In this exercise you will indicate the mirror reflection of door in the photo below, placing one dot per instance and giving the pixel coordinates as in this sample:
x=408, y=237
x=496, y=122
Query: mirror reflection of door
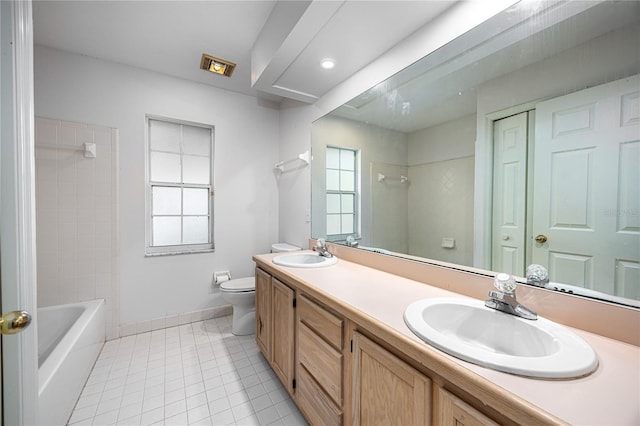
x=588, y=146
x=509, y=194
x=586, y=189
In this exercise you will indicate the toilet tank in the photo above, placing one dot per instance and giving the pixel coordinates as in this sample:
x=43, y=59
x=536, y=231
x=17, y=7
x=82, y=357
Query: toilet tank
x=283, y=247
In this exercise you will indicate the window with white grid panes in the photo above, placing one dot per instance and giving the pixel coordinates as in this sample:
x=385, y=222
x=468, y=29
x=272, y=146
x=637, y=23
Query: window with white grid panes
x=342, y=195
x=180, y=187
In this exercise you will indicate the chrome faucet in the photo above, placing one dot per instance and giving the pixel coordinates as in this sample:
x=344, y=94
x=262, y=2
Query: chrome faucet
x=504, y=300
x=321, y=248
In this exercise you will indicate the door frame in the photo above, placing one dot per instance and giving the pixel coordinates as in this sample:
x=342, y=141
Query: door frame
x=483, y=182
x=19, y=351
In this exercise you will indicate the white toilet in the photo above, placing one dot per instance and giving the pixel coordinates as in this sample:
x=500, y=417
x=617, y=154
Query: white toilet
x=241, y=294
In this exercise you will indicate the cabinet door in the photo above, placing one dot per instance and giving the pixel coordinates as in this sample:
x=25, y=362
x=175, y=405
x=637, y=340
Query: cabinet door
x=386, y=390
x=283, y=333
x=263, y=312
x=452, y=411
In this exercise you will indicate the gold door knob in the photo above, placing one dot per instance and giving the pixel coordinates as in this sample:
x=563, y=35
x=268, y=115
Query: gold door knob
x=541, y=239
x=14, y=322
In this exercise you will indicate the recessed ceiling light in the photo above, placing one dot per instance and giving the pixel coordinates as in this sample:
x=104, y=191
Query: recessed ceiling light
x=327, y=63
x=217, y=65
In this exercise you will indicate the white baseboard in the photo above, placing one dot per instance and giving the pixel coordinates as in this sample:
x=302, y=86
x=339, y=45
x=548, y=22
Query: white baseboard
x=132, y=328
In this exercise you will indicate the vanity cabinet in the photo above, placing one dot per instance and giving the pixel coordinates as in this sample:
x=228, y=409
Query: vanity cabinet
x=338, y=374
x=387, y=390
x=319, y=365
x=275, y=322
x=263, y=312
x=452, y=411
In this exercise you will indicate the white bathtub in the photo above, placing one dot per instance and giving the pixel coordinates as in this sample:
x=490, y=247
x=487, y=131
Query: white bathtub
x=70, y=338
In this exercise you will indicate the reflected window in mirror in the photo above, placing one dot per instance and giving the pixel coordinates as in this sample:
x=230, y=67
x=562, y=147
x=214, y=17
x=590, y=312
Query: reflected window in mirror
x=342, y=193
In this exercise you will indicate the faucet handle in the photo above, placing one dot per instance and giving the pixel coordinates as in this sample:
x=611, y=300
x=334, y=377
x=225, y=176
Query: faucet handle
x=537, y=275
x=321, y=242
x=505, y=283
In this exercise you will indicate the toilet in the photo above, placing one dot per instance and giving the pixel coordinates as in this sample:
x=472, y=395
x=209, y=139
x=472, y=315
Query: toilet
x=241, y=294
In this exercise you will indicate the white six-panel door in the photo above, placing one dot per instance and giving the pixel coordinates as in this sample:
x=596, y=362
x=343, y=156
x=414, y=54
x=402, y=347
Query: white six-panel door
x=587, y=187
x=509, y=194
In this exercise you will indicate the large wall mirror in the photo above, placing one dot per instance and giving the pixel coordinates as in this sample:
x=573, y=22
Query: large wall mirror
x=516, y=143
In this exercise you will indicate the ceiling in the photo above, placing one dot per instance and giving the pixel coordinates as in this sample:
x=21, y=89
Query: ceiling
x=444, y=86
x=277, y=45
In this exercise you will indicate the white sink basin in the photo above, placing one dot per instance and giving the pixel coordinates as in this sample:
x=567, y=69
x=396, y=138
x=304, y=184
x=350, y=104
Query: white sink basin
x=304, y=260
x=468, y=330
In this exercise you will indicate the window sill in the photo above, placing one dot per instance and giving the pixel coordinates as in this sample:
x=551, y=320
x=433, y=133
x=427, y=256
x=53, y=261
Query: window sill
x=178, y=253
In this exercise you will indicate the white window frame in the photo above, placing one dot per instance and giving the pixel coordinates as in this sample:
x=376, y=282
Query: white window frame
x=355, y=193
x=152, y=250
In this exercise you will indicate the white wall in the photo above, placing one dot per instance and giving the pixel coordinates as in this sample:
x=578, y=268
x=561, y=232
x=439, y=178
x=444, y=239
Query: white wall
x=446, y=141
x=78, y=88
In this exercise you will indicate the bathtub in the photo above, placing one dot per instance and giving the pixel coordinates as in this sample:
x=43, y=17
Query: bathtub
x=70, y=338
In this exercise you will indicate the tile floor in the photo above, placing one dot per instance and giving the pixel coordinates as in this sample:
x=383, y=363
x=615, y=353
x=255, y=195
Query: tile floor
x=195, y=374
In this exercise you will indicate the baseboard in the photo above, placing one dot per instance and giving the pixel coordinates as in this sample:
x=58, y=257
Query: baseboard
x=132, y=328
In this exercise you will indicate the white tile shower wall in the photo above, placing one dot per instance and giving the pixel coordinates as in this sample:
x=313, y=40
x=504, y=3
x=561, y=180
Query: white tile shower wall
x=441, y=206
x=389, y=212
x=76, y=210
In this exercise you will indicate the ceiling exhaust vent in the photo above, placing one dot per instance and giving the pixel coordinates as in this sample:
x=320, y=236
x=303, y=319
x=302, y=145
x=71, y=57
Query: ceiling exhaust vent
x=216, y=65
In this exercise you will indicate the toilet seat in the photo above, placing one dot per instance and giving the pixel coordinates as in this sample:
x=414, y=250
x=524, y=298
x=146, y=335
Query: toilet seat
x=239, y=285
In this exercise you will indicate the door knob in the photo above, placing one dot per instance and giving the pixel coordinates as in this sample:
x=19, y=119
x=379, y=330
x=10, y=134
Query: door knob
x=14, y=322
x=541, y=239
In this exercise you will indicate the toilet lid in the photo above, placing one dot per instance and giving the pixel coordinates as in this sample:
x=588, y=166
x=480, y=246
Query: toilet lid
x=239, y=284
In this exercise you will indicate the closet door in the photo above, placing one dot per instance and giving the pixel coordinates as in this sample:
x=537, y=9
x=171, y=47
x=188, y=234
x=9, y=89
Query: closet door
x=509, y=194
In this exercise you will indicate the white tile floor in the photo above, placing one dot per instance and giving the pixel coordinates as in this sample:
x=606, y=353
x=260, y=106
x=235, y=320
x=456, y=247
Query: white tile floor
x=196, y=374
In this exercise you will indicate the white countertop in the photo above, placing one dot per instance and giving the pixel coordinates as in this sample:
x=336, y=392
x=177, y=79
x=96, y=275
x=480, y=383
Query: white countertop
x=610, y=396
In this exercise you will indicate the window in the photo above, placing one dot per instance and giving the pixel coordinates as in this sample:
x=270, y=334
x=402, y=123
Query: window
x=342, y=193
x=179, y=188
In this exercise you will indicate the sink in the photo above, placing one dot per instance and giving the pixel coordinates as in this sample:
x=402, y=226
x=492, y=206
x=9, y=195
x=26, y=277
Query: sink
x=468, y=330
x=304, y=260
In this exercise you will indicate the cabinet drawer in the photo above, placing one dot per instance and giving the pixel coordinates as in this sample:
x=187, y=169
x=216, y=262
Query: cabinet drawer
x=321, y=321
x=322, y=361
x=454, y=411
x=314, y=403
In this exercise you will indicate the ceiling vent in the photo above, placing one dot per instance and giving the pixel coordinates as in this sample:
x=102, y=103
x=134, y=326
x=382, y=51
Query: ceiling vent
x=216, y=65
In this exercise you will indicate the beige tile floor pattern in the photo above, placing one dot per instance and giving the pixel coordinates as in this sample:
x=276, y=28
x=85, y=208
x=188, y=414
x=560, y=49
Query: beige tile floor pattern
x=194, y=374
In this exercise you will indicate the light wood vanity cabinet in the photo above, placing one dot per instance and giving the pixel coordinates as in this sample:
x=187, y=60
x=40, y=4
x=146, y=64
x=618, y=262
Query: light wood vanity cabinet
x=387, y=390
x=452, y=411
x=283, y=317
x=263, y=312
x=337, y=375
x=275, y=322
x=319, y=365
